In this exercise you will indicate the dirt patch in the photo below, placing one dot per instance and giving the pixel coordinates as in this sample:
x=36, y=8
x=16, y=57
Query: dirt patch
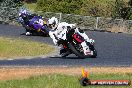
x=9, y=73
x=117, y=29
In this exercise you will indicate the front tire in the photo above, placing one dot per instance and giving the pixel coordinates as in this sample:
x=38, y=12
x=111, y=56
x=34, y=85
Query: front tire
x=77, y=53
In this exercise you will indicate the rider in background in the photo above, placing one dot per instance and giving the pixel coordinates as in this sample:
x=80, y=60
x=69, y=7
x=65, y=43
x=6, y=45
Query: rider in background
x=56, y=30
x=34, y=19
x=23, y=14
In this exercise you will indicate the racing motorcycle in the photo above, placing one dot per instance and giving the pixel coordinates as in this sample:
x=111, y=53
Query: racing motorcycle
x=30, y=23
x=72, y=44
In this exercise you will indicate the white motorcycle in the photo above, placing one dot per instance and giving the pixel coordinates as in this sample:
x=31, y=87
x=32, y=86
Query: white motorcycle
x=72, y=43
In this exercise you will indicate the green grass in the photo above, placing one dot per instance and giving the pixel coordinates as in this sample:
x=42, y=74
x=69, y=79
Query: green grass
x=10, y=47
x=61, y=81
x=31, y=6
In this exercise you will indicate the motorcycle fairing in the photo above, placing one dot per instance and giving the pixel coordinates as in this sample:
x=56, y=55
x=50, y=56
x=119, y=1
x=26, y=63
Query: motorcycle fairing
x=35, y=25
x=78, y=38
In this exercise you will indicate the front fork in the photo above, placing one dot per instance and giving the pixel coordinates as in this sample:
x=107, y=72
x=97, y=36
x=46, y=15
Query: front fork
x=80, y=40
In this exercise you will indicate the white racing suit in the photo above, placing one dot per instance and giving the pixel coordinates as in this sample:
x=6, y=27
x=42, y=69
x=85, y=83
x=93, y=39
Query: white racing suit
x=57, y=34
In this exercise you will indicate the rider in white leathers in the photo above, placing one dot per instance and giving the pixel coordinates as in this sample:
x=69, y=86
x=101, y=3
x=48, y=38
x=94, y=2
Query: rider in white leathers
x=58, y=28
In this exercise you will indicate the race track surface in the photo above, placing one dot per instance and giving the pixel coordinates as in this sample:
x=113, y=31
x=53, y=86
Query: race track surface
x=113, y=50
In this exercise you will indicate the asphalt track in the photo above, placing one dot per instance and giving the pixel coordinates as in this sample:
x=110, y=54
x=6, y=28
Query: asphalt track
x=113, y=50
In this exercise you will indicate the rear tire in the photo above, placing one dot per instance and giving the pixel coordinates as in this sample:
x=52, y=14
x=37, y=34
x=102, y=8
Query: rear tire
x=79, y=54
x=94, y=54
x=92, y=49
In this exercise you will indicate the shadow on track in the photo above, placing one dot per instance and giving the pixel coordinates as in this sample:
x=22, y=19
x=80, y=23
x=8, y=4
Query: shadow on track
x=70, y=57
x=35, y=34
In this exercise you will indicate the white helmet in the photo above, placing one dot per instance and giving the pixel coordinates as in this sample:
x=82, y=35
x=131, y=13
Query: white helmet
x=53, y=20
x=22, y=12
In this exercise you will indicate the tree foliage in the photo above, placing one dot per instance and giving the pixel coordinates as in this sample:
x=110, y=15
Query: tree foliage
x=9, y=9
x=130, y=2
x=64, y=6
x=105, y=8
x=122, y=10
x=97, y=8
x=29, y=1
x=82, y=7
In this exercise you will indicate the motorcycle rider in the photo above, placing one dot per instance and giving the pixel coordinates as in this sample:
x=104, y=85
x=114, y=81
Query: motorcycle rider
x=25, y=17
x=56, y=30
x=33, y=19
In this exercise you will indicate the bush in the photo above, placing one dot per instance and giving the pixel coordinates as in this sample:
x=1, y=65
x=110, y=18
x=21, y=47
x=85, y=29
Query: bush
x=30, y=1
x=103, y=8
x=97, y=8
x=9, y=9
x=122, y=9
x=64, y=6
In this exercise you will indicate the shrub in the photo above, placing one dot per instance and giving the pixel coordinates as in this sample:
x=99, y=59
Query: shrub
x=9, y=9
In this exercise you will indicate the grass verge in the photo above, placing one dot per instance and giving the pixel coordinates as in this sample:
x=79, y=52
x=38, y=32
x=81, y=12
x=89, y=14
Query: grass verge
x=31, y=6
x=11, y=48
x=61, y=81
x=59, y=77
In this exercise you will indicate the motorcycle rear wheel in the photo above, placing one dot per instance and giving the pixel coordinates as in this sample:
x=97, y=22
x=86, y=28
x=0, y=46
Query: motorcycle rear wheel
x=81, y=55
x=94, y=54
x=94, y=51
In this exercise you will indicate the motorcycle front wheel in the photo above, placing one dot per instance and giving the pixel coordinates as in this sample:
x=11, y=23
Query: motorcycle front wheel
x=75, y=51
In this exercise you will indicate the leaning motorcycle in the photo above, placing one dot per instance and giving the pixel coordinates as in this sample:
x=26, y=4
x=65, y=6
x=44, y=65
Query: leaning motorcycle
x=29, y=22
x=72, y=43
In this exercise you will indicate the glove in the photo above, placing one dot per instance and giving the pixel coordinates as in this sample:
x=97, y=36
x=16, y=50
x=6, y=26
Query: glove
x=91, y=41
x=60, y=42
x=55, y=41
x=36, y=22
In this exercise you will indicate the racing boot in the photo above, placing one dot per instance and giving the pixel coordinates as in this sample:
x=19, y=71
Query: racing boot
x=28, y=33
x=91, y=41
x=64, y=51
x=86, y=49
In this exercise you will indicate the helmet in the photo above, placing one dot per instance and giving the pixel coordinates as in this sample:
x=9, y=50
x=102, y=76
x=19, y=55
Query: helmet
x=22, y=12
x=52, y=23
x=53, y=20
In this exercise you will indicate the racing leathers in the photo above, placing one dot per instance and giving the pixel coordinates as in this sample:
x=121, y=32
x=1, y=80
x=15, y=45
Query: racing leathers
x=39, y=24
x=57, y=33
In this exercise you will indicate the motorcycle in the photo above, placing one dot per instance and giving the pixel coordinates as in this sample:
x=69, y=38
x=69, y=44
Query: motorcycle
x=72, y=43
x=30, y=23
